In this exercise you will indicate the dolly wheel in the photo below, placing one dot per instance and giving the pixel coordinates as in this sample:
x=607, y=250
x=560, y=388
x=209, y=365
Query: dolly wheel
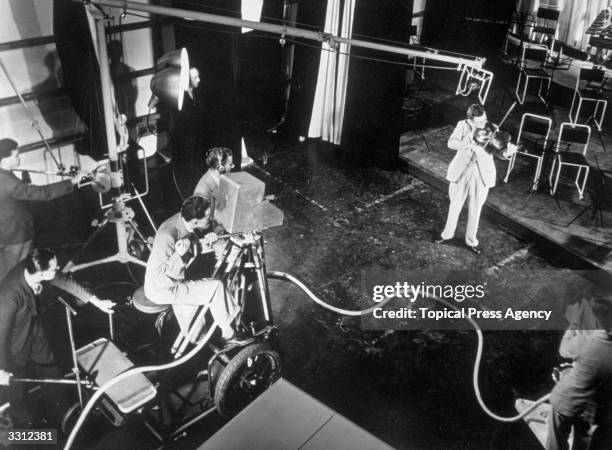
x=247, y=375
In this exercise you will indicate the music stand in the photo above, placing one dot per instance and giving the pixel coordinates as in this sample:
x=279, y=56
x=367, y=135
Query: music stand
x=598, y=196
x=547, y=153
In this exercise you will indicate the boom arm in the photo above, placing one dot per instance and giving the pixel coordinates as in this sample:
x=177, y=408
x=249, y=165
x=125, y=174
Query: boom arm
x=472, y=76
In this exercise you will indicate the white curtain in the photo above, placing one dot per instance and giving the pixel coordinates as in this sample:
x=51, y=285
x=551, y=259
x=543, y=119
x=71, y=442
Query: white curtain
x=576, y=17
x=330, y=94
x=250, y=10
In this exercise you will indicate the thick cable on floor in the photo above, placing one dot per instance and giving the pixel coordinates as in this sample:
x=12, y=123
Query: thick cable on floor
x=345, y=312
x=287, y=277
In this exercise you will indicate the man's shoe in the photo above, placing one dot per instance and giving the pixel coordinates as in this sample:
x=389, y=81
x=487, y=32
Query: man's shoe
x=475, y=249
x=237, y=340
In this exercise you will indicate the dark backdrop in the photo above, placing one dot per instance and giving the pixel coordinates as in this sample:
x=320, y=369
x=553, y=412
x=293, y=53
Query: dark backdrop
x=373, y=115
x=470, y=26
x=81, y=74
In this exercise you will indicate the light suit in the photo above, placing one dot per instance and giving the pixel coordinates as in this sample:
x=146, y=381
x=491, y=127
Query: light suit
x=165, y=281
x=471, y=173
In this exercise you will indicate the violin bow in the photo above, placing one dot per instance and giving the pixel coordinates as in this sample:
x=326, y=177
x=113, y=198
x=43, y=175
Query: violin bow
x=497, y=127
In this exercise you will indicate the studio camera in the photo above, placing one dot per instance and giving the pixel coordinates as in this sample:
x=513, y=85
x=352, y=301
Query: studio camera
x=240, y=205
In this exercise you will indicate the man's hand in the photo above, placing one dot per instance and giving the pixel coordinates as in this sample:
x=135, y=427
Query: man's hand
x=475, y=150
x=106, y=306
x=182, y=246
x=76, y=179
x=511, y=149
x=209, y=239
x=5, y=377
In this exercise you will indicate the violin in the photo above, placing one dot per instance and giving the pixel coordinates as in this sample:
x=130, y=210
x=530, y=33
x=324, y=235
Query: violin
x=495, y=141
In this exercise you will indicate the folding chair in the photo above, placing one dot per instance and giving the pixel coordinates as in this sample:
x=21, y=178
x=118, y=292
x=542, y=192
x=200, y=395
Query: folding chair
x=558, y=61
x=589, y=88
x=532, y=139
x=512, y=52
x=570, y=150
x=540, y=54
x=546, y=22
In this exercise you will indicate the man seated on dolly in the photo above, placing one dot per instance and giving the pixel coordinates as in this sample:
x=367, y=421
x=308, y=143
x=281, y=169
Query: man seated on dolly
x=24, y=346
x=165, y=281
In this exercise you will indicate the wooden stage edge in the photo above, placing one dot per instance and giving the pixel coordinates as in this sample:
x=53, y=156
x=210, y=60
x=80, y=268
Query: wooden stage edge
x=533, y=219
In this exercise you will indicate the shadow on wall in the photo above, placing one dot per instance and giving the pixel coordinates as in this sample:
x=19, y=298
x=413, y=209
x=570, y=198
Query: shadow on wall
x=43, y=73
x=126, y=91
x=56, y=110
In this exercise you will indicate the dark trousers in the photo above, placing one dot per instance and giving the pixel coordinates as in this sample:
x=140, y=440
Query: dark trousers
x=188, y=160
x=559, y=428
x=51, y=401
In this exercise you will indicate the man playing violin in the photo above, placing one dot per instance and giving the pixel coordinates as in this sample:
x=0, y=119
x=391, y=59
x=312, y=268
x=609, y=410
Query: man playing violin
x=472, y=172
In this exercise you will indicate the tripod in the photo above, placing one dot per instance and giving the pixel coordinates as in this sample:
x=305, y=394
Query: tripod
x=121, y=216
x=242, y=263
x=118, y=213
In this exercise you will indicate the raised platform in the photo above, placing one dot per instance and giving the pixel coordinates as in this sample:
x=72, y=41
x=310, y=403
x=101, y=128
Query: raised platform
x=532, y=216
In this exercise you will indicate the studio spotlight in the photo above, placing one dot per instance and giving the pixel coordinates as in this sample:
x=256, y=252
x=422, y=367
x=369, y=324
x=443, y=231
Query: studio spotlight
x=171, y=79
x=175, y=58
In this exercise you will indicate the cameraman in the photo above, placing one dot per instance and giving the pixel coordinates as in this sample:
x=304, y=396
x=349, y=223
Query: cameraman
x=165, y=281
x=583, y=395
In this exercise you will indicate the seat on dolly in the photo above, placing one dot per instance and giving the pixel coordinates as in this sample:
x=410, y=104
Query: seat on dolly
x=103, y=361
x=144, y=305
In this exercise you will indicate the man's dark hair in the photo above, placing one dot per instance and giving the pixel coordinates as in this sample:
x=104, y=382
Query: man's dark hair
x=39, y=260
x=217, y=156
x=6, y=147
x=194, y=208
x=475, y=110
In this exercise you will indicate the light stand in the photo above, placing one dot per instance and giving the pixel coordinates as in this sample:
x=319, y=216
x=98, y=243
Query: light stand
x=547, y=153
x=598, y=197
x=119, y=213
x=77, y=374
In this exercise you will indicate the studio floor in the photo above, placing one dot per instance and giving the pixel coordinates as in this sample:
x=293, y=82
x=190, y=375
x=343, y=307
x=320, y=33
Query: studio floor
x=348, y=219
x=345, y=220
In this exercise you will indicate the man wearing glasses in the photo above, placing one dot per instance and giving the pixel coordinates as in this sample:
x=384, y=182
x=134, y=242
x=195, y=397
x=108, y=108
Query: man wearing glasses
x=24, y=346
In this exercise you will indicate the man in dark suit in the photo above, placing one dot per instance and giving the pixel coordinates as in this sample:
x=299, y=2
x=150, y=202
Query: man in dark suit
x=188, y=135
x=16, y=222
x=24, y=347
